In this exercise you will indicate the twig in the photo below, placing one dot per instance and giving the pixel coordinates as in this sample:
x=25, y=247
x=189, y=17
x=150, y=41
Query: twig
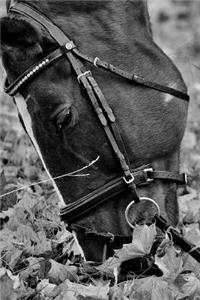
x=71, y=174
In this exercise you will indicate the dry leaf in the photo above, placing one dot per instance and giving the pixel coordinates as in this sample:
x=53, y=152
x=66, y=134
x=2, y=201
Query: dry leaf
x=122, y=291
x=171, y=263
x=143, y=238
x=45, y=288
x=190, y=264
x=192, y=233
x=59, y=273
x=189, y=286
x=14, y=278
x=43, y=245
x=7, y=213
x=151, y=288
x=6, y=288
x=33, y=269
x=116, y=292
x=8, y=284
x=90, y=291
x=63, y=235
x=109, y=265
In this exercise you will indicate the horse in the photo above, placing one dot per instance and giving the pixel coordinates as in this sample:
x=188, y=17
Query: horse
x=150, y=120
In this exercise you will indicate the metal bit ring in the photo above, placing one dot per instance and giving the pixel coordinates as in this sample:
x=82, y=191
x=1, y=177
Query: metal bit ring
x=133, y=202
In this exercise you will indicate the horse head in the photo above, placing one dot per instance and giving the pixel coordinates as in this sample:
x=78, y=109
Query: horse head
x=67, y=130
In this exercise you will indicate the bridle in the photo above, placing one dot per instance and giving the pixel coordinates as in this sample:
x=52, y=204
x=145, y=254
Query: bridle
x=129, y=178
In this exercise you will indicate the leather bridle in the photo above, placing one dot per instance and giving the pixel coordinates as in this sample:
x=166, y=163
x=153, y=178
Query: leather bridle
x=129, y=178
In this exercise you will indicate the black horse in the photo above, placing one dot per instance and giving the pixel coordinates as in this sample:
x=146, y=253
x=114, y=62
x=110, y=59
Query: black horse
x=151, y=122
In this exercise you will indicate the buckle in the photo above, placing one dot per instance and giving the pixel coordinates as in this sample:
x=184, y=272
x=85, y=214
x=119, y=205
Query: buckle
x=83, y=74
x=130, y=180
x=148, y=180
x=111, y=236
x=95, y=61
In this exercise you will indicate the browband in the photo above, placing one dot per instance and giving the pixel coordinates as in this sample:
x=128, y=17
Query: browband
x=32, y=71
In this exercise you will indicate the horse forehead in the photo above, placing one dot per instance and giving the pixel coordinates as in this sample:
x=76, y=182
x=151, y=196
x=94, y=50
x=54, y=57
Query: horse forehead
x=86, y=6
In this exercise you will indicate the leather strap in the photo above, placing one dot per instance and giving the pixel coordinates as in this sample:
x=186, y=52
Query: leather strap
x=117, y=241
x=164, y=175
x=98, y=102
x=131, y=76
x=143, y=175
x=178, y=238
x=28, y=11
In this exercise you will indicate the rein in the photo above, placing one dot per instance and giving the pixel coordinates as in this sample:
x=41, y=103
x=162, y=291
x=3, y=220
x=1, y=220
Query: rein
x=130, y=178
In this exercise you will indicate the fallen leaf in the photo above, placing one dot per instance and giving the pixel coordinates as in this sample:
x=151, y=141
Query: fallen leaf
x=32, y=269
x=15, y=257
x=170, y=263
x=192, y=233
x=143, y=238
x=2, y=271
x=59, y=273
x=8, y=284
x=88, y=291
x=109, y=265
x=184, y=201
x=189, y=286
x=45, y=288
x=71, y=246
x=14, y=278
x=7, y=213
x=151, y=288
x=116, y=292
x=122, y=291
x=6, y=287
x=43, y=245
x=5, y=188
x=190, y=264
x=63, y=235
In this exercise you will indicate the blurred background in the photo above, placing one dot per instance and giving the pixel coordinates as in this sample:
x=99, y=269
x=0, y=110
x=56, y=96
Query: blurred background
x=176, y=29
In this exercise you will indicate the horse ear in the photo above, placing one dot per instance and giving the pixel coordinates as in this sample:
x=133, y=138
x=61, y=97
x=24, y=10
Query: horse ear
x=19, y=33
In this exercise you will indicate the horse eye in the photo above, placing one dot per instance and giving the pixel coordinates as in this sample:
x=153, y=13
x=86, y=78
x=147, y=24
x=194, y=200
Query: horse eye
x=64, y=118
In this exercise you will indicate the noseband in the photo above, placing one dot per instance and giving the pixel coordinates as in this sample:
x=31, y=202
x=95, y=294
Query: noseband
x=129, y=178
